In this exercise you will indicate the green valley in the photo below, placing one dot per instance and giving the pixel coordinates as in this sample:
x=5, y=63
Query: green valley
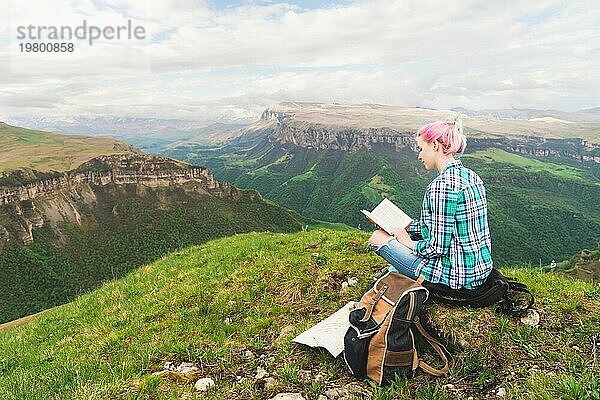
x=64, y=231
x=329, y=161
x=122, y=231
x=538, y=210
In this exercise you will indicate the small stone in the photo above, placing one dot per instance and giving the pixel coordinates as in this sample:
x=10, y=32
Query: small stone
x=344, y=286
x=470, y=398
x=203, y=384
x=335, y=393
x=321, y=397
x=350, y=391
x=261, y=373
x=228, y=321
x=271, y=359
x=187, y=369
x=576, y=348
x=501, y=392
x=352, y=281
x=448, y=386
x=288, y=396
x=249, y=354
x=532, y=318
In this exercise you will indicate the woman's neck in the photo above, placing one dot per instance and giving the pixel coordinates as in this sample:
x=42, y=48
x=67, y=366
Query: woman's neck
x=444, y=160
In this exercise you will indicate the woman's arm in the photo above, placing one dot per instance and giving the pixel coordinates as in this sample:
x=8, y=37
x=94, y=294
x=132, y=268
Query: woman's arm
x=408, y=235
x=414, y=230
x=441, y=202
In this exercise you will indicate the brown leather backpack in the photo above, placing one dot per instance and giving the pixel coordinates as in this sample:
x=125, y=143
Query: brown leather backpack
x=380, y=342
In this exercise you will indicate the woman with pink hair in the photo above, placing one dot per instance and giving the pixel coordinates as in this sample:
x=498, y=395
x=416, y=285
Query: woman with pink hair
x=450, y=243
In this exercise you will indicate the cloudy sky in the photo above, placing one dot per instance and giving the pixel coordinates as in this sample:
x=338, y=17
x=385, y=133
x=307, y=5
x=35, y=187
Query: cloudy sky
x=232, y=59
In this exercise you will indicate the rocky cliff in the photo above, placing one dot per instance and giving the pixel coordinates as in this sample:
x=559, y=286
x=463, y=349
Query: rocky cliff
x=29, y=199
x=342, y=130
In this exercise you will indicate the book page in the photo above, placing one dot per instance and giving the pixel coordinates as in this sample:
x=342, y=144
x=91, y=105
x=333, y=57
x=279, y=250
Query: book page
x=377, y=222
x=388, y=215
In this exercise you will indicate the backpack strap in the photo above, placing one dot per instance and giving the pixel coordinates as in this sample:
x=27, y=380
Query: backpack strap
x=371, y=303
x=512, y=307
x=438, y=347
x=496, y=289
x=481, y=298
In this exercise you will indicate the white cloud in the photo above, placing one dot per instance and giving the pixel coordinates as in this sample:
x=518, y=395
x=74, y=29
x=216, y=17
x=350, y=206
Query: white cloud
x=198, y=62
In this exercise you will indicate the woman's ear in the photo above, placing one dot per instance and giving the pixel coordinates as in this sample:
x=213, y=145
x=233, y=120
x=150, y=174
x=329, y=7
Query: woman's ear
x=435, y=145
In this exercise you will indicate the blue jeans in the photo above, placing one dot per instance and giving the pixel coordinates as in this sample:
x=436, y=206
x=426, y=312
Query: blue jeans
x=400, y=257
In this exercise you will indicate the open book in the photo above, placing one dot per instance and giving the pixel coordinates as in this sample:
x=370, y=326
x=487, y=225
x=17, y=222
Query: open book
x=387, y=216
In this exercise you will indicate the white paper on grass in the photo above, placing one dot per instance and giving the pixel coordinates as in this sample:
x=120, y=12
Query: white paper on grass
x=330, y=332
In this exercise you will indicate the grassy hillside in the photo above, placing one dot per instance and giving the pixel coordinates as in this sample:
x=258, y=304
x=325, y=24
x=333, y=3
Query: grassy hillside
x=121, y=231
x=44, y=151
x=538, y=210
x=531, y=165
x=584, y=266
x=223, y=305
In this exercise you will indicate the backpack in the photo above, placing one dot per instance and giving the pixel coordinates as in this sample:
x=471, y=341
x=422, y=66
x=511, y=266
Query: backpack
x=380, y=341
x=497, y=288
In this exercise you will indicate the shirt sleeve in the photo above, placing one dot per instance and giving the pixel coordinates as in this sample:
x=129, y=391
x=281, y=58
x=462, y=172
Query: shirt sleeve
x=442, y=203
x=414, y=230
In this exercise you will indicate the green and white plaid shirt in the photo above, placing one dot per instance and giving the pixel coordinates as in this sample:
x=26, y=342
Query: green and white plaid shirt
x=453, y=234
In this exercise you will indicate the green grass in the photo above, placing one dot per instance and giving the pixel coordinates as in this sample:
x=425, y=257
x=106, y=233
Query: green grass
x=376, y=189
x=120, y=232
x=213, y=303
x=529, y=164
x=45, y=151
x=302, y=177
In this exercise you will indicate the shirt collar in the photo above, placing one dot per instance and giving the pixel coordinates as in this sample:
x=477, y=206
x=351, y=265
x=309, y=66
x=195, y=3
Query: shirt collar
x=453, y=164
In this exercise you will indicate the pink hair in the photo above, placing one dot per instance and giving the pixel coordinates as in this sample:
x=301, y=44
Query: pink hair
x=448, y=133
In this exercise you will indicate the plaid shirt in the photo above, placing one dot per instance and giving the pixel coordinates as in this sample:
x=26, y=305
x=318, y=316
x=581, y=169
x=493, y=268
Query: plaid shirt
x=453, y=230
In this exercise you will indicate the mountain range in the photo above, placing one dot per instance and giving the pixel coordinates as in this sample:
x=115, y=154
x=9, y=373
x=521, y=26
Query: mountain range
x=588, y=115
x=120, y=224
x=68, y=226
x=328, y=161
x=147, y=134
x=63, y=193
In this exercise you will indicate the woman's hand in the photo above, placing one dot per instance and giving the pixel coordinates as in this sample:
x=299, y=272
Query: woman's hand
x=403, y=237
